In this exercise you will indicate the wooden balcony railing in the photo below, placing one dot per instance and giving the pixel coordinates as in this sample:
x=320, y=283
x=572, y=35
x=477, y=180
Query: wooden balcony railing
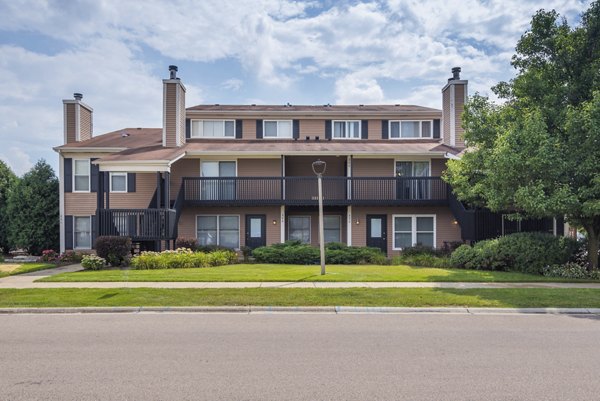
x=139, y=224
x=257, y=191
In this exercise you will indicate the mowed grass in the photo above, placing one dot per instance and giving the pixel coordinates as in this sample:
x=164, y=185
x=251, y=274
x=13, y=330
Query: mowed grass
x=274, y=272
x=11, y=269
x=399, y=297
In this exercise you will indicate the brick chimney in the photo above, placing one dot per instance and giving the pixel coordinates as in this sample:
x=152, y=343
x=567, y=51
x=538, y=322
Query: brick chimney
x=78, y=123
x=454, y=96
x=173, y=110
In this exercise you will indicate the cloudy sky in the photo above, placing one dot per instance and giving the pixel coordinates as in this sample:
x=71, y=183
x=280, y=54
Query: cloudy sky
x=255, y=51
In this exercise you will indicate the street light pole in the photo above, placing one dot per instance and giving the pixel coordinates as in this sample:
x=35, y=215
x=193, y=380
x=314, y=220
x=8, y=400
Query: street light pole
x=319, y=168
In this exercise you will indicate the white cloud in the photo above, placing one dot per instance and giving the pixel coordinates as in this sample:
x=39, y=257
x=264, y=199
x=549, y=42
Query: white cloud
x=17, y=160
x=233, y=84
x=354, y=90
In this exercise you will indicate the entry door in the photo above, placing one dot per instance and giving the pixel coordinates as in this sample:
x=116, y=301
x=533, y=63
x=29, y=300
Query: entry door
x=256, y=230
x=377, y=231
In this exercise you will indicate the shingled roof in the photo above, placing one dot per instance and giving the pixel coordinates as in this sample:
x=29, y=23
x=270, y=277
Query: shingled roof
x=356, y=108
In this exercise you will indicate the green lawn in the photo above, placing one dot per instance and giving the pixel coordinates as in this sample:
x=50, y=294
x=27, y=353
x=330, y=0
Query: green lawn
x=9, y=269
x=407, y=297
x=272, y=272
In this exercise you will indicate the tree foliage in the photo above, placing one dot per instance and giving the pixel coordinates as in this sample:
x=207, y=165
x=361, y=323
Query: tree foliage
x=7, y=182
x=34, y=211
x=538, y=153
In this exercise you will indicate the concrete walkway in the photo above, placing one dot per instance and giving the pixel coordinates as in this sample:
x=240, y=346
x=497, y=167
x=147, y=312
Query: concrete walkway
x=28, y=281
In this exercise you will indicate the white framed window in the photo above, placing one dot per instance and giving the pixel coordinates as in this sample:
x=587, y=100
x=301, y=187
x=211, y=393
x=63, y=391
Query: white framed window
x=213, y=129
x=299, y=228
x=346, y=129
x=332, y=228
x=410, y=129
x=82, y=232
x=81, y=175
x=277, y=129
x=222, y=230
x=118, y=182
x=410, y=230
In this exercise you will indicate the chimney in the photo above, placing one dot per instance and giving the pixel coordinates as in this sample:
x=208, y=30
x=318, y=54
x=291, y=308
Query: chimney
x=173, y=110
x=78, y=122
x=454, y=96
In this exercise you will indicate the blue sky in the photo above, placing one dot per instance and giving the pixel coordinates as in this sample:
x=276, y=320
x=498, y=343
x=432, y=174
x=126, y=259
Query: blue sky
x=260, y=51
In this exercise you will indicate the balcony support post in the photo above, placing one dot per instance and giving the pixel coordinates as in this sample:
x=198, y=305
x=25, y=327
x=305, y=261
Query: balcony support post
x=282, y=224
x=158, y=189
x=107, y=186
x=349, y=225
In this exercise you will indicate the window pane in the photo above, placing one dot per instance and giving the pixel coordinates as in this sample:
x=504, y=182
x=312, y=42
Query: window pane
x=424, y=223
x=82, y=224
x=210, y=169
x=207, y=237
x=229, y=238
x=82, y=167
x=229, y=129
x=410, y=129
x=402, y=240
x=83, y=240
x=83, y=232
x=338, y=129
x=375, y=228
x=299, y=222
x=354, y=130
x=119, y=183
x=425, y=239
x=299, y=228
x=403, y=224
x=332, y=235
x=255, y=227
x=395, y=130
x=208, y=128
x=226, y=169
x=228, y=223
x=207, y=222
x=426, y=129
x=82, y=183
x=196, y=128
x=270, y=129
x=331, y=222
x=285, y=129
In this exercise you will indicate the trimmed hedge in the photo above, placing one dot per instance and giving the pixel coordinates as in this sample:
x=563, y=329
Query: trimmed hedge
x=182, y=258
x=522, y=252
x=114, y=249
x=93, y=262
x=295, y=252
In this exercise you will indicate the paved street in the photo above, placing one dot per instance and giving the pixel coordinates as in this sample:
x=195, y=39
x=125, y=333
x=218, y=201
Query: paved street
x=170, y=356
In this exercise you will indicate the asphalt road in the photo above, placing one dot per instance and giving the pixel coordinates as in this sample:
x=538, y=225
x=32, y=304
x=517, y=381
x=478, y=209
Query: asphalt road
x=170, y=356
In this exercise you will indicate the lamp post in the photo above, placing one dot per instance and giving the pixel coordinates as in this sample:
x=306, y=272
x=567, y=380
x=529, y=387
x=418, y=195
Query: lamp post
x=318, y=168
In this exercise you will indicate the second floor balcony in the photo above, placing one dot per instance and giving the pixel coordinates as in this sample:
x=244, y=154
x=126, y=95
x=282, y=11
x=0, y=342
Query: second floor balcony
x=256, y=191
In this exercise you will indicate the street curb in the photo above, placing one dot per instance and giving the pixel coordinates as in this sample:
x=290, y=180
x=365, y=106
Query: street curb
x=302, y=309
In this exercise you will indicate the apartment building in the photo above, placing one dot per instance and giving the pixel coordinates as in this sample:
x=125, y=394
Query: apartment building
x=241, y=175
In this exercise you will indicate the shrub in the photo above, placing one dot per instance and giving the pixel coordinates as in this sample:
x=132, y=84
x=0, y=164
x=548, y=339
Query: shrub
x=189, y=243
x=116, y=250
x=182, y=258
x=93, y=262
x=523, y=252
x=69, y=257
x=1, y=258
x=49, y=255
x=354, y=255
x=568, y=270
x=210, y=248
x=422, y=261
x=295, y=252
x=450, y=246
x=420, y=250
x=246, y=252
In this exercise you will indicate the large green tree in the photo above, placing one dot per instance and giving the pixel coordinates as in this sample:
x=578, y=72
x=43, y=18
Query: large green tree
x=537, y=154
x=33, y=210
x=7, y=181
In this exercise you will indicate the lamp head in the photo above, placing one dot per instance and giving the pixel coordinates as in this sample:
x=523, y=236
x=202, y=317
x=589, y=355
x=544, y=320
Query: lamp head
x=319, y=167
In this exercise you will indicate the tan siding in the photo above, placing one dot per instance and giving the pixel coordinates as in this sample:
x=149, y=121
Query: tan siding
x=80, y=204
x=259, y=167
x=375, y=129
x=314, y=224
x=70, y=122
x=312, y=128
x=446, y=230
x=182, y=168
x=171, y=114
x=459, y=96
x=372, y=167
x=248, y=129
x=446, y=116
x=85, y=123
x=145, y=185
x=181, y=115
x=438, y=166
x=302, y=165
x=187, y=222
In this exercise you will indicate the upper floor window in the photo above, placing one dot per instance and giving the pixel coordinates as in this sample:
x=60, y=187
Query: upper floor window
x=118, y=182
x=277, y=129
x=81, y=175
x=346, y=130
x=213, y=129
x=411, y=129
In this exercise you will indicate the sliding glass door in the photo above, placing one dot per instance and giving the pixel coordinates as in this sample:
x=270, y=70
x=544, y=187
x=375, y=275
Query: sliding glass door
x=411, y=185
x=216, y=185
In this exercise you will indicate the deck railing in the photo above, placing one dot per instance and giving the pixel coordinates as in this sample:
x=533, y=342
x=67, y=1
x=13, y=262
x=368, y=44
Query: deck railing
x=139, y=224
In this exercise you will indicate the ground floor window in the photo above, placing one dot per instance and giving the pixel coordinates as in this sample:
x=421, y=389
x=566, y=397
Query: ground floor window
x=332, y=228
x=218, y=230
x=410, y=230
x=82, y=229
x=299, y=228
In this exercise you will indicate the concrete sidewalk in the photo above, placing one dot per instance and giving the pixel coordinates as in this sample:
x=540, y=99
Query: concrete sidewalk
x=28, y=281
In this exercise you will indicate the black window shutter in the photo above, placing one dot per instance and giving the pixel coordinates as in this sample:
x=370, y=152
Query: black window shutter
x=327, y=129
x=238, y=129
x=385, y=125
x=436, y=128
x=131, y=182
x=259, y=127
x=364, y=129
x=296, y=129
x=95, y=170
x=68, y=232
x=188, y=128
x=68, y=175
x=94, y=230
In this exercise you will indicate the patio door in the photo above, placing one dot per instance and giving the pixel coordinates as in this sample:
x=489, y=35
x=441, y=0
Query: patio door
x=216, y=185
x=377, y=231
x=409, y=185
x=256, y=233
